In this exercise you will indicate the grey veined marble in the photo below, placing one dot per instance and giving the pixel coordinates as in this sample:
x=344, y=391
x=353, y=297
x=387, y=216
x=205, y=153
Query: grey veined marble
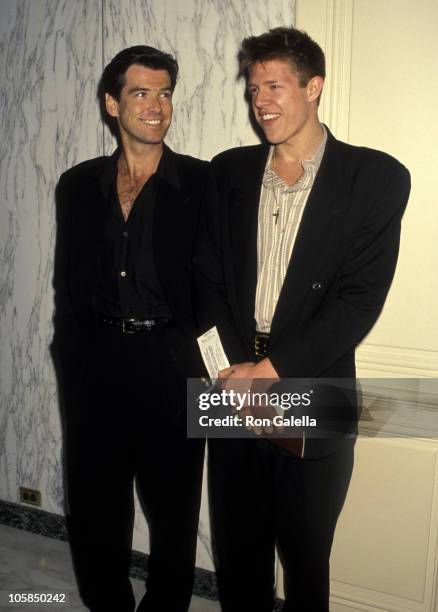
x=51, y=56
x=210, y=112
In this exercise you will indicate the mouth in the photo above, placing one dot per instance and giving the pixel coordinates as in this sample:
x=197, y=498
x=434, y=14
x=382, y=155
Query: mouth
x=152, y=121
x=269, y=117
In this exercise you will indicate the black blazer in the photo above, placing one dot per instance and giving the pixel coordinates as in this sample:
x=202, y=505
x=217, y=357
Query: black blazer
x=178, y=239
x=342, y=264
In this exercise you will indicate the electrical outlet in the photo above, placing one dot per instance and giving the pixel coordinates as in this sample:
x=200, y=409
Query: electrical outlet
x=30, y=496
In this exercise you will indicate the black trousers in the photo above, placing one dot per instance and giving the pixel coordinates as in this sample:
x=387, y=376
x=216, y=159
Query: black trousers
x=262, y=497
x=127, y=421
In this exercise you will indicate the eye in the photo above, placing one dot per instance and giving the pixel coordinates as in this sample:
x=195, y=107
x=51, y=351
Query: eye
x=165, y=94
x=275, y=86
x=252, y=90
x=140, y=94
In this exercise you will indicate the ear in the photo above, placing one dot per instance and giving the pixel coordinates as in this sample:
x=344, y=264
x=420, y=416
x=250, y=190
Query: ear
x=111, y=105
x=314, y=88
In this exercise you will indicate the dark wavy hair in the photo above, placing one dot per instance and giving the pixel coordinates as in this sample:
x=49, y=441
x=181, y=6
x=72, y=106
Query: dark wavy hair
x=113, y=76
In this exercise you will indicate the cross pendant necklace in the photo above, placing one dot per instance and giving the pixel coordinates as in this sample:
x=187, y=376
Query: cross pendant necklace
x=276, y=214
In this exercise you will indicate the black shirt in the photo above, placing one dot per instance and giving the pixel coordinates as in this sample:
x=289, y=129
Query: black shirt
x=127, y=282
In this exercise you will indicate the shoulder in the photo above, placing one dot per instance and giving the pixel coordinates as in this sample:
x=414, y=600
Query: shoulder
x=372, y=164
x=191, y=171
x=369, y=179
x=80, y=184
x=240, y=161
x=188, y=163
x=89, y=169
x=239, y=154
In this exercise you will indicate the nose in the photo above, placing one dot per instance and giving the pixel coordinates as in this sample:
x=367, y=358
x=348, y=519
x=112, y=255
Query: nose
x=154, y=104
x=260, y=98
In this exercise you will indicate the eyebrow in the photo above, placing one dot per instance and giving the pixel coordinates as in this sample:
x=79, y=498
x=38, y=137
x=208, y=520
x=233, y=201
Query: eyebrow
x=137, y=89
x=270, y=82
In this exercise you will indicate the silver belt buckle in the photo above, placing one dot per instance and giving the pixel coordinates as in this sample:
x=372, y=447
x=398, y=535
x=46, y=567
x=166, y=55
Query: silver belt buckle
x=127, y=331
x=257, y=345
x=260, y=345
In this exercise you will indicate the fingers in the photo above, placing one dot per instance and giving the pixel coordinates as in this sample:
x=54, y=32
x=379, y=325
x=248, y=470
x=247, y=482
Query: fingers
x=238, y=370
x=226, y=372
x=265, y=423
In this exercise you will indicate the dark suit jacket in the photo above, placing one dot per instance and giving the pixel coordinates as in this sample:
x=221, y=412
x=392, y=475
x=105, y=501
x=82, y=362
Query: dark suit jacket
x=178, y=239
x=342, y=264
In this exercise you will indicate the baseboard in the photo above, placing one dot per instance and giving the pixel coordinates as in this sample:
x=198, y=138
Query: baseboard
x=373, y=361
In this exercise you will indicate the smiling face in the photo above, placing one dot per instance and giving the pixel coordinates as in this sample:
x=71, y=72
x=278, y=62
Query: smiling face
x=283, y=109
x=144, y=110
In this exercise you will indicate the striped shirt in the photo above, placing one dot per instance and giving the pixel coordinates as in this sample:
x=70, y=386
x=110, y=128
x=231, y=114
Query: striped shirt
x=280, y=212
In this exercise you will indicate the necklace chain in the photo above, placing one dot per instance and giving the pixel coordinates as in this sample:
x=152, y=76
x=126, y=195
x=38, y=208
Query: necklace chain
x=277, y=205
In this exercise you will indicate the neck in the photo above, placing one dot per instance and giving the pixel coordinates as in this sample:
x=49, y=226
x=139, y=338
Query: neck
x=302, y=145
x=140, y=160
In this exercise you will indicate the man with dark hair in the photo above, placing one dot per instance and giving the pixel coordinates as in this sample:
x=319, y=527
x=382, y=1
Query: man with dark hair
x=310, y=236
x=125, y=341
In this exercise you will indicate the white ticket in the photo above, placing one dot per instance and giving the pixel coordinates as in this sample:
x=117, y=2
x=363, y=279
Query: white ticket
x=213, y=352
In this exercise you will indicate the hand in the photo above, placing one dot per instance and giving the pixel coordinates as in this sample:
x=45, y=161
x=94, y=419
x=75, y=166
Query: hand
x=250, y=370
x=238, y=370
x=266, y=413
x=251, y=377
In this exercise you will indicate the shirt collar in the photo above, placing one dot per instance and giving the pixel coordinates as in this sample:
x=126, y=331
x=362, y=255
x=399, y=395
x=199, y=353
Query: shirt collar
x=271, y=180
x=166, y=170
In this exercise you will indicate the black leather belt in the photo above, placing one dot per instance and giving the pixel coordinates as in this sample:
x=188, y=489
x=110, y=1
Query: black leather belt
x=261, y=344
x=133, y=326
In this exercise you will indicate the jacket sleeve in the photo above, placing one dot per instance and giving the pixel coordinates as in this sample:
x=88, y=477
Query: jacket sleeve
x=356, y=297
x=66, y=345
x=211, y=301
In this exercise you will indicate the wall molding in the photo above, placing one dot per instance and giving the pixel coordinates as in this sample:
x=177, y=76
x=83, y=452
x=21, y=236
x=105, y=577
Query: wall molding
x=330, y=23
x=396, y=361
x=335, y=104
x=346, y=597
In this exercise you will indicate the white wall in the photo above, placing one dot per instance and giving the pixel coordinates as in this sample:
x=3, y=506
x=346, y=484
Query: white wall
x=382, y=92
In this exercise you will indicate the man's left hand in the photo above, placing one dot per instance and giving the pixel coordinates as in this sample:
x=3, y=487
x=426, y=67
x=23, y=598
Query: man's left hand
x=257, y=377
x=250, y=370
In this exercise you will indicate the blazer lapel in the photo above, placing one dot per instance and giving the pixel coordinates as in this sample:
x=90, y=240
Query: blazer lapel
x=171, y=224
x=168, y=218
x=242, y=223
x=320, y=227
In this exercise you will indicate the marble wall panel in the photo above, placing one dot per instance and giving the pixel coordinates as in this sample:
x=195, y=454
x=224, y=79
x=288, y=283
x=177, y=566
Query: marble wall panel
x=210, y=113
x=50, y=58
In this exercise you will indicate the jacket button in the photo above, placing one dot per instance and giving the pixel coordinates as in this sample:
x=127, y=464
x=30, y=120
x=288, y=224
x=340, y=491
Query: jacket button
x=317, y=285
